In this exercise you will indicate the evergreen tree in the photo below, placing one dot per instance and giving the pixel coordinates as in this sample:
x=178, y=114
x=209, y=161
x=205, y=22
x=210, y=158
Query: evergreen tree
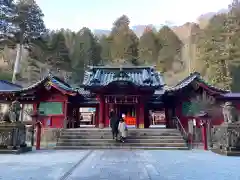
x=7, y=28
x=124, y=42
x=122, y=22
x=88, y=45
x=148, y=47
x=96, y=51
x=30, y=70
x=170, y=48
x=69, y=39
x=191, y=46
x=105, y=44
x=232, y=25
x=61, y=59
x=31, y=26
x=213, y=52
x=86, y=53
x=29, y=20
x=232, y=28
x=7, y=12
x=77, y=59
x=52, y=51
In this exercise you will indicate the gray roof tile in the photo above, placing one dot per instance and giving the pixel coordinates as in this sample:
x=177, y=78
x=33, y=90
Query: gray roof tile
x=140, y=76
x=8, y=86
x=231, y=95
x=188, y=80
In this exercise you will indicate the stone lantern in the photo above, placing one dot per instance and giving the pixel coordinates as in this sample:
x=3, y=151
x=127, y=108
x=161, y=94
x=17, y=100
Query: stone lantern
x=227, y=135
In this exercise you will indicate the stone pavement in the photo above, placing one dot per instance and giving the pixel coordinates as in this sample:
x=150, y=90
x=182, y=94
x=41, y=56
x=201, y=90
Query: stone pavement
x=119, y=165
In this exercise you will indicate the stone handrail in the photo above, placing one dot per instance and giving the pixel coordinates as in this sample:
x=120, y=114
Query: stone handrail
x=180, y=127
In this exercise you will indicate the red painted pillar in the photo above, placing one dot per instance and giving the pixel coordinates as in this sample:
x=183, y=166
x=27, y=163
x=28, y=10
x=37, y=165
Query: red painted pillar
x=141, y=114
x=106, y=115
x=38, y=135
x=204, y=136
x=97, y=116
x=102, y=112
x=66, y=115
x=35, y=104
x=137, y=115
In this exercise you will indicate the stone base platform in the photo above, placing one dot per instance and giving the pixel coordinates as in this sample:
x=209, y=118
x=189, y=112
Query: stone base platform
x=16, y=151
x=225, y=152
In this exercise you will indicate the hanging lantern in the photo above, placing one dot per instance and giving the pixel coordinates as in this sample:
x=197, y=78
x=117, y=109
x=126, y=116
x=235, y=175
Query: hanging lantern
x=195, y=85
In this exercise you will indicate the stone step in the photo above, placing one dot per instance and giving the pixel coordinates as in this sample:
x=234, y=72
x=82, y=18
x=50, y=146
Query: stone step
x=93, y=138
x=110, y=144
x=17, y=151
x=120, y=147
x=129, y=133
x=130, y=128
x=8, y=151
x=128, y=140
x=149, y=130
x=97, y=136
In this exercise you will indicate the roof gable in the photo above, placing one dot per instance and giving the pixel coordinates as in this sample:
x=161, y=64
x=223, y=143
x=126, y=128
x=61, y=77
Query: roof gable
x=195, y=77
x=138, y=75
x=48, y=80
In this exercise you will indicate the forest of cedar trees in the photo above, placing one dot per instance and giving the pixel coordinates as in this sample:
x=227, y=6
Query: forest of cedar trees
x=214, y=50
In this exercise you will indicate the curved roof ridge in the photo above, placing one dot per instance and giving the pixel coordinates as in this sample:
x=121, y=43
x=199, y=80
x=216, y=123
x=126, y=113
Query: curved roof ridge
x=121, y=66
x=189, y=79
x=54, y=79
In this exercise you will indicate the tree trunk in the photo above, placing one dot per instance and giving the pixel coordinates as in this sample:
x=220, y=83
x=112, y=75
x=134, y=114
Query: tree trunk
x=17, y=64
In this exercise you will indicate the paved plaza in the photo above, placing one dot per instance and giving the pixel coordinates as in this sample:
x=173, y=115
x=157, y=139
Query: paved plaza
x=119, y=165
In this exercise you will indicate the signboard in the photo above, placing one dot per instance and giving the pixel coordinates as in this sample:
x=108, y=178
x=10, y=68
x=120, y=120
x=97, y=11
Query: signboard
x=86, y=109
x=121, y=99
x=50, y=108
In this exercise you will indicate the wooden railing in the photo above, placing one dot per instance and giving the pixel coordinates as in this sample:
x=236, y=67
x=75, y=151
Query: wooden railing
x=180, y=127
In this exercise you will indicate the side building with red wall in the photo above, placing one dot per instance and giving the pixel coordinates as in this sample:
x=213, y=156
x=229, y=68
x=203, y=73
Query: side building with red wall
x=49, y=97
x=182, y=97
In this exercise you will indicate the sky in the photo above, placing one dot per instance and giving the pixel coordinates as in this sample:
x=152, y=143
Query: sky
x=100, y=14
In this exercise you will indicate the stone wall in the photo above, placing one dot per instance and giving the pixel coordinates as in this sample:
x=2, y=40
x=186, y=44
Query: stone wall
x=49, y=137
x=226, y=137
x=12, y=135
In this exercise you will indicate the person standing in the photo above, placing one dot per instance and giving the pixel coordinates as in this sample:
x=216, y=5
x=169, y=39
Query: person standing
x=114, y=124
x=122, y=128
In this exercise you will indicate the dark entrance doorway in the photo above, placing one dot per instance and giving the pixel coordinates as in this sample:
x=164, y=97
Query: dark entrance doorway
x=124, y=104
x=129, y=110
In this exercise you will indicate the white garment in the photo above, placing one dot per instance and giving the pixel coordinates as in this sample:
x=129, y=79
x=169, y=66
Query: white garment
x=122, y=128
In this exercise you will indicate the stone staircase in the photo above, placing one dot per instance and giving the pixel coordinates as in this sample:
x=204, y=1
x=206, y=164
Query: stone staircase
x=92, y=138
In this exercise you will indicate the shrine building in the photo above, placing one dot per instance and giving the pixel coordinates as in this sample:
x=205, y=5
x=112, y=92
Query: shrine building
x=127, y=90
x=139, y=92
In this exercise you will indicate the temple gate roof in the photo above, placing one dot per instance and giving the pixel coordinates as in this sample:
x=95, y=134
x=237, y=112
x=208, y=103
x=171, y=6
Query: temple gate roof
x=142, y=76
